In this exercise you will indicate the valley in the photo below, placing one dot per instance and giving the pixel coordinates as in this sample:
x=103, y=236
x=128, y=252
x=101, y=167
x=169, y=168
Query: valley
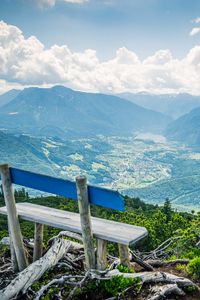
x=146, y=166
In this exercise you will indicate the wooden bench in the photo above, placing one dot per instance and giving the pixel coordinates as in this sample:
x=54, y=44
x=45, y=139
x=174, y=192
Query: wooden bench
x=103, y=230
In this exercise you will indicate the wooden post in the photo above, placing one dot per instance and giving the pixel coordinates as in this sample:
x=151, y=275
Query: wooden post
x=101, y=254
x=12, y=253
x=13, y=221
x=38, y=239
x=84, y=210
x=124, y=255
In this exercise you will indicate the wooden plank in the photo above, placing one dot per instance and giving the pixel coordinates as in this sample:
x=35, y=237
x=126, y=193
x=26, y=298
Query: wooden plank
x=38, y=240
x=85, y=219
x=101, y=254
x=99, y=196
x=103, y=229
x=14, y=227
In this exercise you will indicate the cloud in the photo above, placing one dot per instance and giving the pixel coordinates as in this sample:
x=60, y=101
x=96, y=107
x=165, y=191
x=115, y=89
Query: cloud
x=197, y=20
x=51, y=3
x=195, y=31
x=26, y=62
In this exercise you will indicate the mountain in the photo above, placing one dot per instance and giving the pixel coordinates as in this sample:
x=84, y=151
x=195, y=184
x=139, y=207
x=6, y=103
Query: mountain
x=62, y=112
x=174, y=105
x=186, y=128
x=8, y=96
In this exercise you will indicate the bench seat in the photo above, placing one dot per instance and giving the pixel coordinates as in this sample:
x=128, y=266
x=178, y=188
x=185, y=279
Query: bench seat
x=112, y=231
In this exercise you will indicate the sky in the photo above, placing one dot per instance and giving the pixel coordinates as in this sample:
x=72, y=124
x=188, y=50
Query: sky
x=109, y=46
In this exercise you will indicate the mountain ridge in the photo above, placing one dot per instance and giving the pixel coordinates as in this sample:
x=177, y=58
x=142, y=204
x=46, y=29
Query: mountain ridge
x=173, y=105
x=64, y=112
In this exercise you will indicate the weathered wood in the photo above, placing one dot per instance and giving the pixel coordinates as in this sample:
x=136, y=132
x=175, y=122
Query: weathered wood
x=153, y=277
x=84, y=211
x=35, y=270
x=112, y=231
x=101, y=254
x=139, y=261
x=161, y=292
x=12, y=253
x=38, y=239
x=13, y=221
x=124, y=255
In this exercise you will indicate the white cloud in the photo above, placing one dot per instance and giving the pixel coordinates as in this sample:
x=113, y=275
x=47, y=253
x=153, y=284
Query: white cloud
x=194, y=31
x=51, y=3
x=197, y=20
x=25, y=62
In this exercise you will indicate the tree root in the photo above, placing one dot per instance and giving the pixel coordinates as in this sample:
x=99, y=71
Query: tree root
x=161, y=292
x=34, y=271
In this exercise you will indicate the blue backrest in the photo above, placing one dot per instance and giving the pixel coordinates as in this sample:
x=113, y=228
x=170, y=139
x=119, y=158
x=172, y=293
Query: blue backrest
x=97, y=195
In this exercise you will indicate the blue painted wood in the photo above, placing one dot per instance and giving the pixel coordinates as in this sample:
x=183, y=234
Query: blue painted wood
x=99, y=196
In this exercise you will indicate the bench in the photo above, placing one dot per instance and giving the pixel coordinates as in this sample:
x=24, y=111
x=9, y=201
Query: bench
x=125, y=235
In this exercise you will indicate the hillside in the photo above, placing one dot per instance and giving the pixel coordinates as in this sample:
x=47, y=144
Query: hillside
x=62, y=112
x=174, y=105
x=8, y=96
x=178, y=233
x=186, y=128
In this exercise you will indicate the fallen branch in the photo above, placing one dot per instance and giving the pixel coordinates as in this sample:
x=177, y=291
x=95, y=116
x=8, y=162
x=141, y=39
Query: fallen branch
x=57, y=281
x=146, y=265
x=160, y=292
x=152, y=277
x=33, y=272
x=159, y=263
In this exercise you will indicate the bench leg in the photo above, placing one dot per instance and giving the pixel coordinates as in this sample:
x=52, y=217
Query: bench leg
x=13, y=220
x=12, y=253
x=124, y=255
x=38, y=239
x=101, y=254
x=86, y=228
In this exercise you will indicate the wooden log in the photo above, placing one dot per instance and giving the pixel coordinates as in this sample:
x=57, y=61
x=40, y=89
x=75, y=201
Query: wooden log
x=101, y=254
x=34, y=271
x=85, y=219
x=13, y=221
x=153, y=277
x=140, y=262
x=38, y=239
x=124, y=255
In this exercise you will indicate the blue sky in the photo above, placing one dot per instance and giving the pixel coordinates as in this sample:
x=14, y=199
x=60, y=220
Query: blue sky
x=143, y=26
x=134, y=45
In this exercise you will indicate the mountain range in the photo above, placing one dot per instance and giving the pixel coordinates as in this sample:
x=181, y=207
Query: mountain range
x=62, y=112
x=186, y=128
x=173, y=105
x=8, y=96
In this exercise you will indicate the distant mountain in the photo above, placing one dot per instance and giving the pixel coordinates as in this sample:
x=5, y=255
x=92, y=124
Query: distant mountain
x=174, y=105
x=59, y=111
x=8, y=96
x=186, y=128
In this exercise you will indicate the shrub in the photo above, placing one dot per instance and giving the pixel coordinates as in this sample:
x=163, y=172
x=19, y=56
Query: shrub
x=193, y=268
x=118, y=284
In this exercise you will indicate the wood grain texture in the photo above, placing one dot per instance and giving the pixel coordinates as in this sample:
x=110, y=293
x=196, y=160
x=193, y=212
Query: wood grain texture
x=101, y=254
x=124, y=255
x=85, y=220
x=38, y=239
x=13, y=221
x=112, y=231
